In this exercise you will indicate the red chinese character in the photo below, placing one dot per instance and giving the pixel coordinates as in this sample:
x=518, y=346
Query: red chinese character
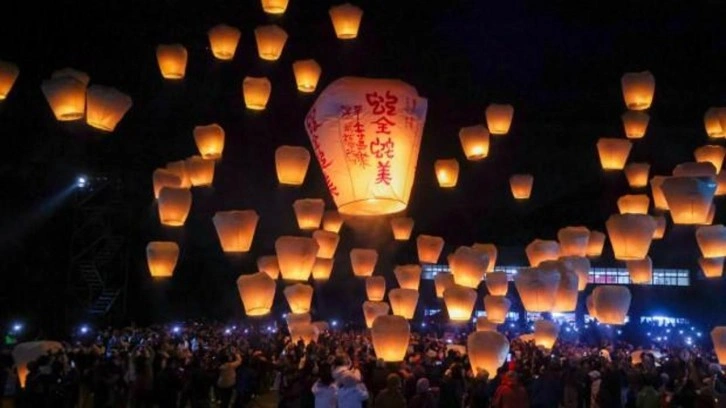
x=380, y=149
x=382, y=104
x=384, y=173
x=409, y=122
x=311, y=124
x=383, y=124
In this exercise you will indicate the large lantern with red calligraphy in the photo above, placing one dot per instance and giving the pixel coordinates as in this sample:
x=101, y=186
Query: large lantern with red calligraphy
x=366, y=135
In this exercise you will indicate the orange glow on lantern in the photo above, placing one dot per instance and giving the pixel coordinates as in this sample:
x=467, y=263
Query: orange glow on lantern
x=689, y=198
x=371, y=310
x=640, y=271
x=235, y=229
x=497, y=308
x=711, y=267
x=403, y=302
x=161, y=257
x=474, y=141
x=408, y=276
x=307, y=73
x=573, y=240
x=375, y=288
x=487, y=351
x=459, y=301
x=299, y=297
x=611, y=303
x=322, y=268
x=256, y=92
x=270, y=40
x=296, y=257
x=363, y=261
x=634, y=204
x=327, y=243
x=223, y=41
x=429, y=248
x=443, y=281
x=630, y=235
x=257, y=292
x=346, y=20
x=540, y=250
x=497, y=283
x=172, y=60
x=332, y=221
x=105, y=107
x=447, y=172
x=210, y=141
x=595, y=244
x=637, y=174
x=402, y=228
x=713, y=154
x=613, y=152
x=635, y=123
x=201, y=171
x=499, y=118
x=8, y=74
x=174, y=205
x=309, y=212
x=638, y=89
x=521, y=185
x=164, y=178
x=268, y=264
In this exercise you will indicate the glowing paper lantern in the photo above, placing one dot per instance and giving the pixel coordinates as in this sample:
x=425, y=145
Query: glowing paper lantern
x=223, y=41
x=590, y=303
x=490, y=252
x=235, y=229
x=371, y=310
x=256, y=92
x=291, y=163
x=660, y=227
x=209, y=140
x=299, y=297
x=321, y=326
x=164, y=178
x=174, y=206
x=403, y=302
x=443, y=281
x=459, y=302
x=268, y=264
x=641, y=271
x=566, y=295
x=499, y=118
x=322, y=269
x=294, y=319
x=712, y=122
x=521, y=185
x=375, y=288
x=497, y=283
x=363, y=261
x=637, y=174
x=497, y=308
x=545, y=333
x=274, y=7
x=307, y=74
x=8, y=74
x=635, y=124
x=368, y=171
x=429, y=248
x=447, y=172
x=346, y=20
x=487, y=351
x=712, y=240
x=161, y=256
x=711, y=267
x=689, y=198
x=270, y=41
x=611, y=303
x=630, y=235
x=66, y=96
x=25, y=353
x=307, y=333
x=296, y=257
x=468, y=267
x=710, y=216
x=638, y=89
x=327, y=243
x=408, y=276
x=172, y=59
x=332, y=221
x=634, y=204
x=257, y=292
x=718, y=337
x=309, y=212
x=483, y=324
x=656, y=190
x=721, y=184
x=180, y=169
x=105, y=107
x=402, y=228
x=540, y=250
x=201, y=171
x=595, y=244
x=573, y=241
x=695, y=169
x=474, y=141
x=713, y=154
x=613, y=152
x=537, y=288
x=581, y=266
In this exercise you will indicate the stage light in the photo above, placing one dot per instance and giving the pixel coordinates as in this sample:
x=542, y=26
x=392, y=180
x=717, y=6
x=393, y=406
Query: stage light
x=82, y=181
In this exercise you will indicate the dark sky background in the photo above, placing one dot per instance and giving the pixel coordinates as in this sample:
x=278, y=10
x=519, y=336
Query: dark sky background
x=558, y=62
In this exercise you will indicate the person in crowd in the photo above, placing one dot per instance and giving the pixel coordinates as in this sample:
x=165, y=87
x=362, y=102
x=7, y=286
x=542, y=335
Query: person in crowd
x=324, y=389
x=351, y=393
x=424, y=397
x=391, y=396
x=511, y=394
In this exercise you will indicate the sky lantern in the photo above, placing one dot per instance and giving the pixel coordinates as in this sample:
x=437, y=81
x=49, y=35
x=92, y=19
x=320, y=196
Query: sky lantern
x=695, y=169
x=274, y=7
x=429, y=248
x=332, y=221
x=710, y=216
x=573, y=240
x=540, y=250
x=611, y=303
x=200, y=170
x=309, y=212
x=443, y=281
x=307, y=73
x=322, y=268
x=660, y=228
x=66, y=96
x=468, y=266
x=346, y=20
x=299, y=297
x=711, y=267
x=105, y=107
x=256, y=92
x=713, y=154
x=164, y=178
x=721, y=184
x=375, y=288
x=497, y=308
x=235, y=229
x=291, y=164
x=499, y=118
x=8, y=74
x=718, y=337
x=223, y=41
x=537, y=288
x=403, y=302
x=637, y=174
x=390, y=336
x=459, y=302
x=640, y=271
x=408, y=276
x=161, y=257
x=308, y=333
x=174, y=205
x=402, y=228
x=656, y=190
x=270, y=41
x=447, y=172
x=268, y=264
x=294, y=319
x=638, y=89
x=371, y=310
x=545, y=333
x=180, y=169
x=521, y=185
x=595, y=244
x=488, y=250
x=296, y=257
x=487, y=350
x=635, y=123
x=567, y=290
x=630, y=235
x=712, y=122
x=209, y=140
x=483, y=324
x=497, y=283
x=712, y=240
x=590, y=304
x=474, y=141
x=689, y=198
x=634, y=204
x=581, y=266
x=257, y=292
x=613, y=152
x=327, y=243
x=363, y=261
x=29, y=352
x=372, y=171
x=172, y=59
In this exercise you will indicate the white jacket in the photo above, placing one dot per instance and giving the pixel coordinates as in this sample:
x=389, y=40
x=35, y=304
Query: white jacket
x=326, y=396
x=352, y=396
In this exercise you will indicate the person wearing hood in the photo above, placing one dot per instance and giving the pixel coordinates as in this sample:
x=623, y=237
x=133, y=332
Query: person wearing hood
x=351, y=392
x=510, y=393
x=391, y=396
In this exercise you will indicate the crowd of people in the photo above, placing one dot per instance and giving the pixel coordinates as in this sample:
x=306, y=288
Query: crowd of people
x=211, y=365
